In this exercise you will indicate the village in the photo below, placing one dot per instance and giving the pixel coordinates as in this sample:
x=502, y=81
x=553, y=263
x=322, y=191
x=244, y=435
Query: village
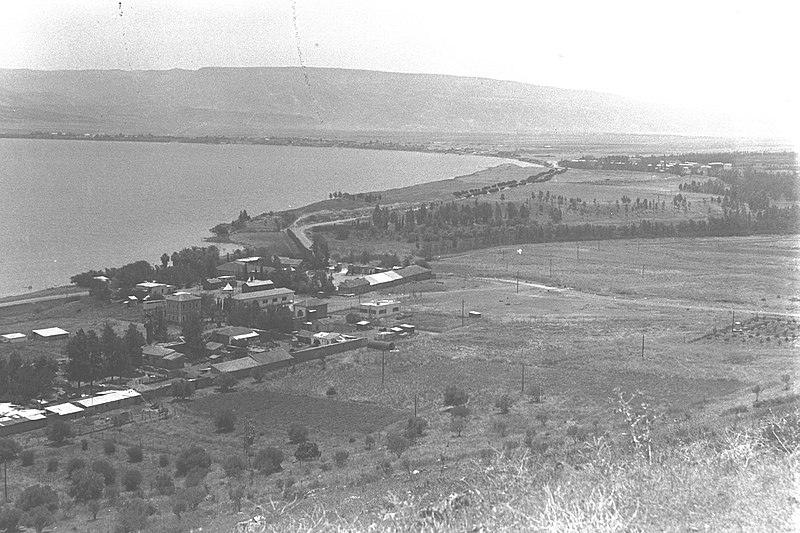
x=322, y=326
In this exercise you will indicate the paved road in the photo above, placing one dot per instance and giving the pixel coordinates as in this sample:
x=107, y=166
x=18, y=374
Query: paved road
x=44, y=299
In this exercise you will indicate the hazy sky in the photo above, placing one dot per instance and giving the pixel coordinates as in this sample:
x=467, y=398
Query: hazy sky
x=710, y=55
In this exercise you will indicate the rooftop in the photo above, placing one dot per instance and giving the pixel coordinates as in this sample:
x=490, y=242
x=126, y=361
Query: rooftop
x=63, y=409
x=50, y=332
x=263, y=294
x=107, y=397
x=156, y=351
x=182, y=297
x=237, y=364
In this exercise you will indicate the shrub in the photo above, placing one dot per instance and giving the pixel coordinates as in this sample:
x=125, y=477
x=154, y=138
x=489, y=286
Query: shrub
x=27, y=457
x=225, y=381
x=397, y=443
x=105, y=469
x=233, y=465
x=386, y=467
x=535, y=393
x=135, y=454
x=225, y=420
x=94, y=508
x=86, y=485
x=111, y=493
x=164, y=484
x=8, y=449
x=181, y=389
x=415, y=428
x=58, y=432
x=369, y=442
x=454, y=395
x=503, y=403
x=9, y=518
x=331, y=391
x=75, y=464
x=258, y=374
x=38, y=495
x=179, y=506
x=131, y=479
x=499, y=428
x=268, y=460
x=52, y=465
x=195, y=477
x=298, y=433
x=109, y=447
x=307, y=451
x=38, y=518
x=340, y=458
x=84, y=444
x=194, y=496
x=190, y=458
x=163, y=460
x=132, y=516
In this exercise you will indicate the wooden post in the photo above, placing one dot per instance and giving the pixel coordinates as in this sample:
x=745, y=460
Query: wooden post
x=383, y=367
x=642, y=270
x=5, y=479
x=517, y=281
x=523, y=378
x=462, y=313
x=415, y=406
x=551, y=267
x=578, y=252
x=642, y=346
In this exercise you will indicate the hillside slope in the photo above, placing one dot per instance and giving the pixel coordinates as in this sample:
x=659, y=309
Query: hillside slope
x=268, y=101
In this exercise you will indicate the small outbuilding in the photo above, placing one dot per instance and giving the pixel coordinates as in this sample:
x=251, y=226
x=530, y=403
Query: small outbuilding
x=13, y=337
x=50, y=334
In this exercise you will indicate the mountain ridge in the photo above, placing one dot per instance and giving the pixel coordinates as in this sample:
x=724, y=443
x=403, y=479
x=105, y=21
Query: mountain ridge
x=275, y=100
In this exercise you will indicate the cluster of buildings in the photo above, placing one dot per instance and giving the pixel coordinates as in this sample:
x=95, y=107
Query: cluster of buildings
x=649, y=164
x=19, y=419
x=378, y=280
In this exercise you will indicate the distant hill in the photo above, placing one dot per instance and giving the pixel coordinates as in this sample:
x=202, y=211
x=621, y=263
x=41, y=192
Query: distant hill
x=273, y=101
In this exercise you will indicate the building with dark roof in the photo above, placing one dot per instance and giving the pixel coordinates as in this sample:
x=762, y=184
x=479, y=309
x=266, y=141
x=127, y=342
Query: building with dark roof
x=180, y=305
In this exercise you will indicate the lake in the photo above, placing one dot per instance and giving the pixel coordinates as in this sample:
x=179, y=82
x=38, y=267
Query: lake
x=70, y=206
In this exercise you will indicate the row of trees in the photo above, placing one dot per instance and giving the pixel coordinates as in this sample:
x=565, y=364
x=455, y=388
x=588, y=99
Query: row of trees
x=22, y=380
x=91, y=358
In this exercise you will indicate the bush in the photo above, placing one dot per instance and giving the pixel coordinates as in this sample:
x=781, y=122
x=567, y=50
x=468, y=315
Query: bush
x=58, y=432
x=135, y=454
x=307, y=451
x=194, y=496
x=84, y=444
x=397, y=443
x=331, y=391
x=38, y=495
x=132, y=516
x=225, y=381
x=9, y=518
x=369, y=442
x=258, y=374
x=105, y=469
x=340, y=458
x=27, y=457
x=8, y=449
x=535, y=393
x=455, y=396
x=191, y=458
x=268, y=460
x=52, y=465
x=131, y=479
x=181, y=389
x=38, y=518
x=164, y=484
x=415, y=428
x=499, y=428
x=163, y=460
x=298, y=433
x=195, y=477
x=111, y=493
x=503, y=403
x=109, y=447
x=86, y=485
x=225, y=420
x=233, y=465
x=75, y=464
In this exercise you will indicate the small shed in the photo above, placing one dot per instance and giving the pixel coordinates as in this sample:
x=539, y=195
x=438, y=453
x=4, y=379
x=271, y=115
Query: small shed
x=475, y=314
x=108, y=400
x=13, y=337
x=63, y=410
x=50, y=334
x=362, y=325
x=408, y=328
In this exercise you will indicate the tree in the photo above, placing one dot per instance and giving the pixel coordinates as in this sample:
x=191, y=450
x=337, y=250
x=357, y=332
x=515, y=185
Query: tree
x=135, y=454
x=415, y=429
x=104, y=468
x=132, y=516
x=397, y=443
x=181, y=389
x=268, y=460
x=340, y=458
x=58, y=432
x=458, y=421
x=298, y=433
x=258, y=374
x=131, y=479
x=307, y=451
x=78, y=358
x=454, y=395
x=38, y=495
x=191, y=458
x=164, y=260
x=38, y=518
x=86, y=485
x=225, y=420
x=225, y=381
x=94, y=508
x=193, y=336
x=9, y=448
x=95, y=358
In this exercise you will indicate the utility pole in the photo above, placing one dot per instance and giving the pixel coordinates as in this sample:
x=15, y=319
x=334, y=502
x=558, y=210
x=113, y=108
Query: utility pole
x=733, y=320
x=642, y=270
x=517, y=281
x=462, y=313
x=415, y=406
x=383, y=367
x=551, y=267
x=643, y=346
x=578, y=252
x=523, y=378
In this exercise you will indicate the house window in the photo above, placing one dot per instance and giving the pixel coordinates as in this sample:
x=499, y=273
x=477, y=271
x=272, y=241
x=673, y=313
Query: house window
x=283, y=299
x=382, y=312
x=395, y=309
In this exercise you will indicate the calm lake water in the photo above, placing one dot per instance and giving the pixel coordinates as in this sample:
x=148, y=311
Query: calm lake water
x=68, y=206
